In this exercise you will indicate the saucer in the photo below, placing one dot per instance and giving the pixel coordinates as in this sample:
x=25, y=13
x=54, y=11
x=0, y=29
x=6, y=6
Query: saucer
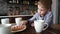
x=18, y=30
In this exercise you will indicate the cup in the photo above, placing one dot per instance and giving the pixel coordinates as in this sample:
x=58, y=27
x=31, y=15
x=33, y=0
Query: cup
x=18, y=20
x=5, y=21
x=39, y=26
x=5, y=28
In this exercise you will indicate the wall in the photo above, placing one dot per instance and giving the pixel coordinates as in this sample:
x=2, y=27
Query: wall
x=55, y=11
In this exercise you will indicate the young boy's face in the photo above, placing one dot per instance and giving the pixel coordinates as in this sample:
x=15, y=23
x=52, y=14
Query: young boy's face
x=42, y=10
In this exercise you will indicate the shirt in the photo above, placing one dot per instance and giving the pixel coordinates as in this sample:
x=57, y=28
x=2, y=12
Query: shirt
x=48, y=18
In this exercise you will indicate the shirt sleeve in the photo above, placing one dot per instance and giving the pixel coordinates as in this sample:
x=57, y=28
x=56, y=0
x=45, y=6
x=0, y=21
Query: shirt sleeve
x=33, y=18
x=49, y=19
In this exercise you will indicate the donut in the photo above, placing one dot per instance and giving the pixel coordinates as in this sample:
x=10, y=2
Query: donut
x=16, y=28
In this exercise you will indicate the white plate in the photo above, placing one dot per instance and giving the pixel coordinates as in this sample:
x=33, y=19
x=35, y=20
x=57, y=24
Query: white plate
x=19, y=30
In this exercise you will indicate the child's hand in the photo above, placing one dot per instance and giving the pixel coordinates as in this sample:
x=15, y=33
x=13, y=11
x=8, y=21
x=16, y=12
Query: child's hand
x=23, y=22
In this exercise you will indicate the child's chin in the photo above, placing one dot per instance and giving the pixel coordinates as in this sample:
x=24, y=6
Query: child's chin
x=42, y=14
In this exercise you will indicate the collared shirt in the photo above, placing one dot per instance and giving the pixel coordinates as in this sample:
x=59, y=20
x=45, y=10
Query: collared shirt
x=47, y=18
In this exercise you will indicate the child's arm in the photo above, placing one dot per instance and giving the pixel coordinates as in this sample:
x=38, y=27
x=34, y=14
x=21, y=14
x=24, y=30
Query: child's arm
x=33, y=18
x=29, y=20
x=49, y=19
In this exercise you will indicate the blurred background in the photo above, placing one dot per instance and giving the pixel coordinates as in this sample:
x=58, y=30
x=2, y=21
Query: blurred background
x=26, y=9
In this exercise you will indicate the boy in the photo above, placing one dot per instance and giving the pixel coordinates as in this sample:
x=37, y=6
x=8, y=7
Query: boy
x=43, y=13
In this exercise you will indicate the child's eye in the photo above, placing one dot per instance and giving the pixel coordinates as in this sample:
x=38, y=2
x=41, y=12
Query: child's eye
x=41, y=9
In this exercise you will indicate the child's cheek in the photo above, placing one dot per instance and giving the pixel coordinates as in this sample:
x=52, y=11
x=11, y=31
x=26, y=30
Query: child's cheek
x=39, y=11
x=42, y=12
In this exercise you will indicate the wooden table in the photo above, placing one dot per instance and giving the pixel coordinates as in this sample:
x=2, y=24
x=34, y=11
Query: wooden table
x=31, y=30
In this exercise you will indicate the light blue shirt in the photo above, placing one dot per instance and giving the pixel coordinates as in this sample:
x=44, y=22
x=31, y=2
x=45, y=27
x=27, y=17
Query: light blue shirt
x=47, y=18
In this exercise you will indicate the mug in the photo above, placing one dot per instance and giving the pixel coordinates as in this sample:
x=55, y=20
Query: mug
x=39, y=25
x=18, y=20
x=5, y=21
x=5, y=28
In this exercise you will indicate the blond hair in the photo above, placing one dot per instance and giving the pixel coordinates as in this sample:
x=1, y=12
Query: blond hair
x=46, y=3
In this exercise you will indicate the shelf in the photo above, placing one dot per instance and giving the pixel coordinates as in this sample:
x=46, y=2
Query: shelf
x=14, y=16
x=23, y=9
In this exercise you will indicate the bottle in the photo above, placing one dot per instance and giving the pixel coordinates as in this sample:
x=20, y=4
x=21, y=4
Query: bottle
x=17, y=1
x=9, y=13
x=32, y=12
